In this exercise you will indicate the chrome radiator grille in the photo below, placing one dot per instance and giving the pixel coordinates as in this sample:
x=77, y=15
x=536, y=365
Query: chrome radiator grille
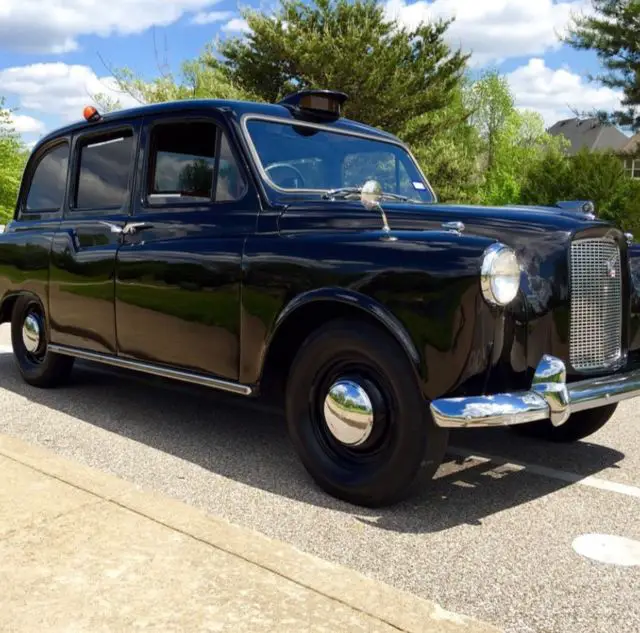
x=596, y=304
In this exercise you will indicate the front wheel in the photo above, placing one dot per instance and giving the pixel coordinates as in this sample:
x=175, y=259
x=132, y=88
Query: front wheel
x=579, y=425
x=357, y=417
x=38, y=366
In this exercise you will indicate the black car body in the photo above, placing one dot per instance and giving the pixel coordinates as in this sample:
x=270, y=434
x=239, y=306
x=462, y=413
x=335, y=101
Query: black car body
x=161, y=239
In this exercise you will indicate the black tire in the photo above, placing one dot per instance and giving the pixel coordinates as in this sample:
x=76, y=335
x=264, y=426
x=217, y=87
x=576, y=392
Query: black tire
x=577, y=427
x=405, y=447
x=40, y=368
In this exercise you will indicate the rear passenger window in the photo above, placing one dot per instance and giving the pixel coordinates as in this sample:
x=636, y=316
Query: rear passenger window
x=49, y=180
x=104, y=172
x=182, y=165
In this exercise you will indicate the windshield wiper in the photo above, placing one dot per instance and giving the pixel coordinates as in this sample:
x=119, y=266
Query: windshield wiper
x=344, y=192
x=341, y=193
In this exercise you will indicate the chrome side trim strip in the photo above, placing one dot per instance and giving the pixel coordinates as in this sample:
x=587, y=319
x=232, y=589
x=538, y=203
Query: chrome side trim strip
x=550, y=398
x=155, y=370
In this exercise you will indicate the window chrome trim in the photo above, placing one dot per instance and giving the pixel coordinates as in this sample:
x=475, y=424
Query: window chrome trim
x=326, y=128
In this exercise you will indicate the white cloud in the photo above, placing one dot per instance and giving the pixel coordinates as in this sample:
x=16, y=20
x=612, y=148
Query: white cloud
x=494, y=30
x=53, y=26
x=237, y=25
x=59, y=89
x=24, y=124
x=210, y=17
x=555, y=93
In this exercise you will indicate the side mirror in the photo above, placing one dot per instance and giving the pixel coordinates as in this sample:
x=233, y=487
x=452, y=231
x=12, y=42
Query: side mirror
x=371, y=194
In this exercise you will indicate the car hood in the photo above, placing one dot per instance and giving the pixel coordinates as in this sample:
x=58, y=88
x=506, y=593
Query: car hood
x=489, y=220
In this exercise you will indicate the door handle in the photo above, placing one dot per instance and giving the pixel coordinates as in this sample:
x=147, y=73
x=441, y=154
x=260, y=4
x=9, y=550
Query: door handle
x=114, y=228
x=135, y=227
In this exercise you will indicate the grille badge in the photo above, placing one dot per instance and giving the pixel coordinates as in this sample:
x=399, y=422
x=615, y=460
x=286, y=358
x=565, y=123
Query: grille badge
x=610, y=265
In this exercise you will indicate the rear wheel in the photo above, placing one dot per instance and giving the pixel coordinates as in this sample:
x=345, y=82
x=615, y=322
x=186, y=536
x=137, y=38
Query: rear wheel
x=579, y=425
x=357, y=417
x=38, y=366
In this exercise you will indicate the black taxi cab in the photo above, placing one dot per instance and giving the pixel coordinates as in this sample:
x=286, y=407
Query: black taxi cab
x=282, y=250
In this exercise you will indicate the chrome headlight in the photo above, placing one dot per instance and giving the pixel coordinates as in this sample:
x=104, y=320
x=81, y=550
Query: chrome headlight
x=500, y=275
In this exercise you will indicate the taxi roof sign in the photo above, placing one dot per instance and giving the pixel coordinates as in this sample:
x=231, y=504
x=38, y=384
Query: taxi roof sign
x=322, y=102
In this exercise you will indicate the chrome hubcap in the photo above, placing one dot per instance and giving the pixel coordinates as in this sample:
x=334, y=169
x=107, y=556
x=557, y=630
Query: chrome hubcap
x=31, y=334
x=348, y=412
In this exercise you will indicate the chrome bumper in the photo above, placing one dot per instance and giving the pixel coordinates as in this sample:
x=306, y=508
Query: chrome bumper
x=550, y=397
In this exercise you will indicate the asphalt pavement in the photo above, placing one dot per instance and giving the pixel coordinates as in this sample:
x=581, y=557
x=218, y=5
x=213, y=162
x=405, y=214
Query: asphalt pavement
x=513, y=531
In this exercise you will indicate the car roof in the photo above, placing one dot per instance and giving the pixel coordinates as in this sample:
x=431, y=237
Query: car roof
x=238, y=108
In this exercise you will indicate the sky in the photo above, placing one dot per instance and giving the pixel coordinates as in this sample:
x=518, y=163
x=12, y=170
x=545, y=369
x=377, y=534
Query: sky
x=56, y=54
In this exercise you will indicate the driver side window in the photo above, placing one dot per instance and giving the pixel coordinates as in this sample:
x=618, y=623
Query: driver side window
x=192, y=162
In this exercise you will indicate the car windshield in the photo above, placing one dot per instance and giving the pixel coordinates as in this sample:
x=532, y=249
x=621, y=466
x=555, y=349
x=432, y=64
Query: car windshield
x=297, y=157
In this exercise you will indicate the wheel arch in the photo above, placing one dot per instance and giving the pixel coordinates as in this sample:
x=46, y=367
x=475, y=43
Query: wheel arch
x=309, y=311
x=10, y=299
x=6, y=306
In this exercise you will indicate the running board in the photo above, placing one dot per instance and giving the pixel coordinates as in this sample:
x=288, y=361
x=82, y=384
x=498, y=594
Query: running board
x=155, y=370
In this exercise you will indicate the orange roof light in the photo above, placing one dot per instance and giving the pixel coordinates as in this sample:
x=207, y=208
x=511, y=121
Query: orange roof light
x=91, y=114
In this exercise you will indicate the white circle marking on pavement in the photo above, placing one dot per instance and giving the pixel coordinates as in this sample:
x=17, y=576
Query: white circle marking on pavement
x=607, y=548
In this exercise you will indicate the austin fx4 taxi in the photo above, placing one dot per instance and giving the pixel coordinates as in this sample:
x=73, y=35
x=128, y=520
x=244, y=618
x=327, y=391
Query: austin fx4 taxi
x=285, y=251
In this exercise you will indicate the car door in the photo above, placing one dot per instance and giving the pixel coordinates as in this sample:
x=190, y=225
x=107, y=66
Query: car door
x=178, y=279
x=82, y=271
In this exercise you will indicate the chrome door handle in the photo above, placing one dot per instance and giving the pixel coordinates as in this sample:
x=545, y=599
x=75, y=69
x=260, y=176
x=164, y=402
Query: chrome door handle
x=134, y=227
x=453, y=227
x=114, y=228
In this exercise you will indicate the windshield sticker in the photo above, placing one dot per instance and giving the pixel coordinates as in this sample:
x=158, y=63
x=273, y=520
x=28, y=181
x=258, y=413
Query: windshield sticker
x=419, y=185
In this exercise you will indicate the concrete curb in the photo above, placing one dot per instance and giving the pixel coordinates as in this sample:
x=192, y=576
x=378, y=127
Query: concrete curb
x=399, y=609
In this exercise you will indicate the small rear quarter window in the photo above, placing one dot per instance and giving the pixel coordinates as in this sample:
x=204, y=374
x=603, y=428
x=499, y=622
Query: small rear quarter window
x=49, y=180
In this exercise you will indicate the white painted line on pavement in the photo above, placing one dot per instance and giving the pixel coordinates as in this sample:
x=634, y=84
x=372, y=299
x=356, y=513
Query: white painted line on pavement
x=552, y=473
x=607, y=548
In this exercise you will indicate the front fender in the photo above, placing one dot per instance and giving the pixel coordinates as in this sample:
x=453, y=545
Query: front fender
x=423, y=288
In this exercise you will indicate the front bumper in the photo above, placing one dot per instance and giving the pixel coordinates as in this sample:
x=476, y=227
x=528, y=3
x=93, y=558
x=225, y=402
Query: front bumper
x=550, y=398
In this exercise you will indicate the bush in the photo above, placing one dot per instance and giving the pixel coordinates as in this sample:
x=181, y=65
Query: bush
x=597, y=176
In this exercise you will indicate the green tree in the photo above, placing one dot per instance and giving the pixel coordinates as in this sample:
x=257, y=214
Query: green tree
x=520, y=146
x=13, y=156
x=512, y=142
x=492, y=104
x=548, y=180
x=198, y=79
x=448, y=146
x=392, y=74
x=405, y=81
x=612, y=31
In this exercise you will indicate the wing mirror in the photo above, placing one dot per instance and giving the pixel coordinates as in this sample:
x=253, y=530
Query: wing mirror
x=371, y=195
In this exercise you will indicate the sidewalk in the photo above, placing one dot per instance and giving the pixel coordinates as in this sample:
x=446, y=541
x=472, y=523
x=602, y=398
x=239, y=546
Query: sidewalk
x=82, y=551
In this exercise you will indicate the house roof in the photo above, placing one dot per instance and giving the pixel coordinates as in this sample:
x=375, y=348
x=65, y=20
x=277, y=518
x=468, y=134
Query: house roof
x=591, y=134
x=633, y=145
